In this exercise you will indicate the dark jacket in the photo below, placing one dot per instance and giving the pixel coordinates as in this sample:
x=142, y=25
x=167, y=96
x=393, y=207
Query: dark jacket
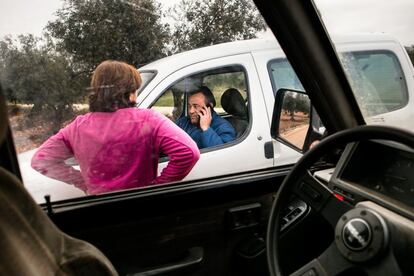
x=219, y=132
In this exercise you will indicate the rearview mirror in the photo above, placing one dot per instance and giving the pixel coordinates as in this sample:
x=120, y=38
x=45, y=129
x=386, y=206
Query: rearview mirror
x=292, y=117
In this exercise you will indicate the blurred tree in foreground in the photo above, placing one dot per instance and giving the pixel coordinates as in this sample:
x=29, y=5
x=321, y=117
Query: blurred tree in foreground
x=201, y=23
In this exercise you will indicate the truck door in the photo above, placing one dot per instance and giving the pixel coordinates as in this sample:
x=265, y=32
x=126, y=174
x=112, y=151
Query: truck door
x=272, y=65
x=235, y=75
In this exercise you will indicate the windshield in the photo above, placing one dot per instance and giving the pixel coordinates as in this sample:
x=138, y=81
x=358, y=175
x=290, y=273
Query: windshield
x=88, y=119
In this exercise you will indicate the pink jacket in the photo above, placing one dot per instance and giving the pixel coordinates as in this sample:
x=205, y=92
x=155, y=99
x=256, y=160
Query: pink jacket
x=117, y=150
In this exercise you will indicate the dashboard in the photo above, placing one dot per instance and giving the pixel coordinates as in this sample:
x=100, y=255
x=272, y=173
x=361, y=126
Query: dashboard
x=375, y=170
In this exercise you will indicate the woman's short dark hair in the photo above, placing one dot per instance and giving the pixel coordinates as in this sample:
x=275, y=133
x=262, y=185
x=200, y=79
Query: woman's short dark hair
x=111, y=86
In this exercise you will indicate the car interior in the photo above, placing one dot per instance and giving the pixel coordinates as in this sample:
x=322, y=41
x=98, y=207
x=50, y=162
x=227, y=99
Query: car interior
x=292, y=219
x=234, y=104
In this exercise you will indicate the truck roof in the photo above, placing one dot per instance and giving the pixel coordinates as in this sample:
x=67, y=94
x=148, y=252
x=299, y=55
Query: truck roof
x=183, y=59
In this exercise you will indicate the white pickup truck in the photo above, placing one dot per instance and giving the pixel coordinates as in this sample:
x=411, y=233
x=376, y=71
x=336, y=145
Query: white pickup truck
x=376, y=64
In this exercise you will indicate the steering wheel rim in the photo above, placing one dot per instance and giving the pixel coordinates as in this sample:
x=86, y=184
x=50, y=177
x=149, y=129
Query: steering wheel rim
x=361, y=133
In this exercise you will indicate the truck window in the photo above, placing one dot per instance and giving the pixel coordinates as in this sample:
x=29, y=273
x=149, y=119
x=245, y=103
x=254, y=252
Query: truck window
x=376, y=77
x=229, y=89
x=283, y=76
x=377, y=80
x=219, y=83
x=146, y=77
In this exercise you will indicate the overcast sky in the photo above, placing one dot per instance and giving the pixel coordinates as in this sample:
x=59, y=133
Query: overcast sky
x=341, y=16
x=392, y=16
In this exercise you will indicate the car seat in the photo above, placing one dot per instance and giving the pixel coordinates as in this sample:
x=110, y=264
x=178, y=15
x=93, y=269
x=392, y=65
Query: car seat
x=233, y=103
x=30, y=243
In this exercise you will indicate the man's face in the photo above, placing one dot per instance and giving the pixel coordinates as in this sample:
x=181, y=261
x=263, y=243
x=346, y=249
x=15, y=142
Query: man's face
x=195, y=103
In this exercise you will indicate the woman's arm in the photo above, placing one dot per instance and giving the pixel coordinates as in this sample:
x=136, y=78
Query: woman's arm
x=50, y=159
x=180, y=148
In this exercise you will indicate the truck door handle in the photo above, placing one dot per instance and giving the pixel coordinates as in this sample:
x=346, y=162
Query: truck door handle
x=268, y=150
x=194, y=257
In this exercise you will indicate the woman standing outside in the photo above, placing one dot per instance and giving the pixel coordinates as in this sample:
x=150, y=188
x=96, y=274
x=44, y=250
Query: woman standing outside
x=116, y=145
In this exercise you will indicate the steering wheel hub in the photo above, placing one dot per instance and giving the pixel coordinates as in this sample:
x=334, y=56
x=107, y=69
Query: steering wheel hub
x=356, y=234
x=361, y=234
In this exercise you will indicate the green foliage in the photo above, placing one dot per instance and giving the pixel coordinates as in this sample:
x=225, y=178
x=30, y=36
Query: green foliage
x=302, y=104
x=219, y=83
x=51, y=73
x=295, y=102
x=223, y=80
x=4, y=50
x=289, y=105
x=96, y=30
x=206, y=22
x=33, y=72
x=167, y=99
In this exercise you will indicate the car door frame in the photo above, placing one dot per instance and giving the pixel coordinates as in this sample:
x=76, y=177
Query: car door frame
x=283, y=154
x=214, y=160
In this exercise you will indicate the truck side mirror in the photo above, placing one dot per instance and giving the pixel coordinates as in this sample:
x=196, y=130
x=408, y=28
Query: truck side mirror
x=294, y=121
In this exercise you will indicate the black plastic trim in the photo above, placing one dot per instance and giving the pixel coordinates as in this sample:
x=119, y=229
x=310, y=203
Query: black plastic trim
x=235, y=181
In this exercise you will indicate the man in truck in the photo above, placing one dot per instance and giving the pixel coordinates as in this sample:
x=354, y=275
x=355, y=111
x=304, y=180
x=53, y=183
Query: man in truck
x=203, y=124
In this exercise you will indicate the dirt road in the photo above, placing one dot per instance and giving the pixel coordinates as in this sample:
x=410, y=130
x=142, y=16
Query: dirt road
x=296, y=136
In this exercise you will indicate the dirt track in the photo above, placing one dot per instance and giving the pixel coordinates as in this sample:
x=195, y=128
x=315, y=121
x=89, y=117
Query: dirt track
x=297, y=135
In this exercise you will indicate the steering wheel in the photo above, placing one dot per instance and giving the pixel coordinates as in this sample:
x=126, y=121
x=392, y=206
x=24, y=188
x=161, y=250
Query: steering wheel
x=364, y=237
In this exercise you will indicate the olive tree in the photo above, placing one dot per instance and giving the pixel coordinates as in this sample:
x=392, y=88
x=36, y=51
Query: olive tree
x=201, y=23
x=34, y=73
x=96, y=30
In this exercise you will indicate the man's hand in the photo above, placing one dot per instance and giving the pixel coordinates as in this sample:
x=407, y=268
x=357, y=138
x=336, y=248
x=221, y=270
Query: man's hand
x=205, y=117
